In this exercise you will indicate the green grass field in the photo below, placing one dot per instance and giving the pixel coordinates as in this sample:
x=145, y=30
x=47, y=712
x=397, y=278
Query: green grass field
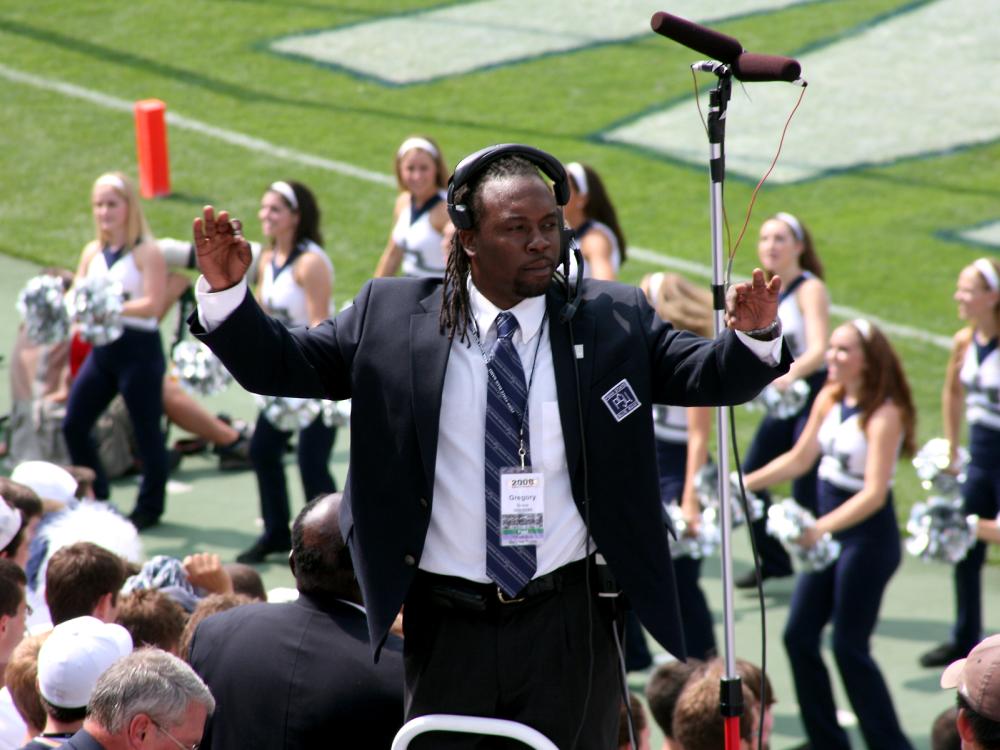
x=68, y=69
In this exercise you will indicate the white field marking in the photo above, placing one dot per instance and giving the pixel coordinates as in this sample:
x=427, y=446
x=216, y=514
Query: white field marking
x=460, y=38
x=231, y=137
x=986, y=234
x=178, y=488
x=910, y=86
x=261, y=146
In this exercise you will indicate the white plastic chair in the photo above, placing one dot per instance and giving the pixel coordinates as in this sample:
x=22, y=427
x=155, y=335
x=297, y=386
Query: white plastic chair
x=470, y=725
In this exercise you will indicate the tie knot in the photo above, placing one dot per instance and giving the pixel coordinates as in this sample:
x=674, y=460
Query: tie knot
x=506, y=325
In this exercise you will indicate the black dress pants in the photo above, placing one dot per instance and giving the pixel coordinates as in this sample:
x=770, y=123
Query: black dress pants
x=527, y=662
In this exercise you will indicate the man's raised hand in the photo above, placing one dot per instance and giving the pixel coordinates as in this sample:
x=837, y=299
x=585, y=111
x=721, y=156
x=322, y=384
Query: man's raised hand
x=223, y=253
x=753, y=304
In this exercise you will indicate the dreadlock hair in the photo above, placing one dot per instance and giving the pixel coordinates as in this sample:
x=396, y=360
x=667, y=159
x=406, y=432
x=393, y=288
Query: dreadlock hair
x=456, y=313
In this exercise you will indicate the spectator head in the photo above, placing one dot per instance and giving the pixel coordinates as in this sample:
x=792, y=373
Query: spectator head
x=320, y=559
x=639, y=724
x=152, y=619
x=662, y=691
x=21, y=498
x=21, y=678
x=11, y=530
x=13, y=607
x=246, y=580
x=210, y=605
x=977, y=679
x=149, y=692
x=83, y=579
x=944, y=731
x=50, y=482
x=71, y=660
x=697, y=720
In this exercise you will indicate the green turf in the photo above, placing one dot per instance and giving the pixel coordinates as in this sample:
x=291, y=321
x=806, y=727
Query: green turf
x=884, y=233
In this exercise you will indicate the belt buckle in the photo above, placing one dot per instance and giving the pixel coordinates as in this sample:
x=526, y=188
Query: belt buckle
x=504, y=599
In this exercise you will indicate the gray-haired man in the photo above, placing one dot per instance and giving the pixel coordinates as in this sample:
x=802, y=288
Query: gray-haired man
x=150, y=700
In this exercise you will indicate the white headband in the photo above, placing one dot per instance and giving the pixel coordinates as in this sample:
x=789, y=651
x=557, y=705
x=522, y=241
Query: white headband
x=579, y=175
x=864, y=328
x=794, y=223
x=112, y=180
x=989, y=272
x=416, y=142
x=653, y=284
x=283, y=189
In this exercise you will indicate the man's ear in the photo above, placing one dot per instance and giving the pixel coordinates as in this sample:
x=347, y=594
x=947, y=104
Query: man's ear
x=964, y=727
x=468, y=239
x=4, y=622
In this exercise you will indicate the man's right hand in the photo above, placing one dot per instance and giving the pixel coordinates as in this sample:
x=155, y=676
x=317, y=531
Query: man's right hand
x=223, y=253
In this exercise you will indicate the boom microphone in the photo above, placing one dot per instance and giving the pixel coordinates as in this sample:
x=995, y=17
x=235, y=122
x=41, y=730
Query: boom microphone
x=701, y=39
x=753, y=67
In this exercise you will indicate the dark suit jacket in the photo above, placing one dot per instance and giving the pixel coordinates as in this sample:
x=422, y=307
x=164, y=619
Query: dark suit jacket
x=297, y=675
x=82, y=740
x=387, y=352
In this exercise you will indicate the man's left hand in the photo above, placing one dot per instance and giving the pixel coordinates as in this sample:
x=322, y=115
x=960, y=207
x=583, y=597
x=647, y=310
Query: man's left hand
x=753, y=304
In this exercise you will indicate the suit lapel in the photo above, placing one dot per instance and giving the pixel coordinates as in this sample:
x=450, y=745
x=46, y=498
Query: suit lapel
x=562, y=363
x=428, y=359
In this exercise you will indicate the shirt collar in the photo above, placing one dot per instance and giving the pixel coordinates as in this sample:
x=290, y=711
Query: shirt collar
x=530, y=312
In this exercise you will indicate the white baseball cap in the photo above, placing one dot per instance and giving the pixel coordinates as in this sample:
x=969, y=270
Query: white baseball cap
x=75, y=655
x=10, y=522
x=49, y=481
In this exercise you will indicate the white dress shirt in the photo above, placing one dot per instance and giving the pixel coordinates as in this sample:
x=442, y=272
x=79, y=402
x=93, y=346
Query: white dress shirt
x=455, y=544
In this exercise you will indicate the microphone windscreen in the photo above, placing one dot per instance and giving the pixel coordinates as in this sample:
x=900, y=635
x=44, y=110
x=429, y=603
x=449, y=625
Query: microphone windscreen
x=701, y=39
x=753, y=67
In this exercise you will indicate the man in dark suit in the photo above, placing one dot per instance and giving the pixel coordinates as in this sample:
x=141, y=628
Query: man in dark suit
x=299, y=674
x=442, y=406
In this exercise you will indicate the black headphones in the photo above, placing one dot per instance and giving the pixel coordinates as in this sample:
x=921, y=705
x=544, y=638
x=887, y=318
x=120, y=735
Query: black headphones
x=473, y=165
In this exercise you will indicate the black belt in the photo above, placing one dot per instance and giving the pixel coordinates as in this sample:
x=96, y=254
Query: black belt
x=460, y=593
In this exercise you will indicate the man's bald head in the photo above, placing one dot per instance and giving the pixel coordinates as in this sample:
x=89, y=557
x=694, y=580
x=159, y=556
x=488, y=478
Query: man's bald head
x=320, y=560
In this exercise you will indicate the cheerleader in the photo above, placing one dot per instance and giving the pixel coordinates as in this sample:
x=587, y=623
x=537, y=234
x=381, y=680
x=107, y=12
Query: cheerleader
x=858, y=425
x=421, y=212
x=973, y=378
x=294, y=283
x=595, y=223
x=785, y=249
x=682, y=436
x=134, y=364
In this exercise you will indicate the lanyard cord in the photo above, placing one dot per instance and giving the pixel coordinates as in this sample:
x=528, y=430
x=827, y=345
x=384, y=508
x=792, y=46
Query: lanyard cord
x=519, y=418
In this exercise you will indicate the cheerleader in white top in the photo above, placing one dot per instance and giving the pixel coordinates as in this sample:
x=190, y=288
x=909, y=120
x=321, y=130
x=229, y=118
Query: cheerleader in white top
x=860, y=422
x=972, y=384
x=294, y=284
x=134, y=364
x=420, y=215
x=594, y=221
x=785, y=249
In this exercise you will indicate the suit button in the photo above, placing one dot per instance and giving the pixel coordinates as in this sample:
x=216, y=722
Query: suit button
x=410, y=560
x=423, y=503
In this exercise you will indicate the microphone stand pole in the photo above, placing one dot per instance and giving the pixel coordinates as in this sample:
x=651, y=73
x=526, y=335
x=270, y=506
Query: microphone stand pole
x=730, y=686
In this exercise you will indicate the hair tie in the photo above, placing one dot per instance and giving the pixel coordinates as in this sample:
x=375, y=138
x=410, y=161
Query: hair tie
x=112, y=180
x=864, y=328
x=989, y=272
x=794, y=223
x=283, y=189
x=579, y=175
x=417, y=142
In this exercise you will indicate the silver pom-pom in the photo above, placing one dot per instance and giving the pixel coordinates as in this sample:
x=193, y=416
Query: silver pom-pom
x=198, y=370
x=939, y=530
x=42, y=306
x=702, y=544
x=932, y=463
x=289, y=414
x=337, y=413
x=95, y=305
x=706, y=484
x=782, y=404
x=787, y=521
